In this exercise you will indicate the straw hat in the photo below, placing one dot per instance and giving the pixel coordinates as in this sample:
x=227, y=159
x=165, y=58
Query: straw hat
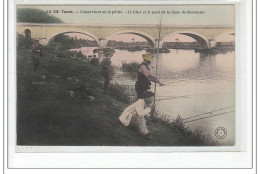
x=148, y=57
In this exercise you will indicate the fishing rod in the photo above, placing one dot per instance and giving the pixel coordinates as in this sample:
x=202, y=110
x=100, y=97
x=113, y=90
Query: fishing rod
x=158, y=51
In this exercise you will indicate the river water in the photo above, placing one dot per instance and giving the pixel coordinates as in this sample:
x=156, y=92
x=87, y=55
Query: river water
x=195, y=84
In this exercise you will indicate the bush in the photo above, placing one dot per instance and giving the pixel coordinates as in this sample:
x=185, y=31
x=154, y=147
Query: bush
x=130, y=67
x=117, y=91
x=94, y=61
x=23, y=42
x=62, y=41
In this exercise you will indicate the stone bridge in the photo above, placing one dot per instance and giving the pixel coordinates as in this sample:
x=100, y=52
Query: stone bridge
x=204, y=35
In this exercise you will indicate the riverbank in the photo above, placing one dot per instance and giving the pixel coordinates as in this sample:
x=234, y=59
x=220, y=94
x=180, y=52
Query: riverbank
x=51, y=111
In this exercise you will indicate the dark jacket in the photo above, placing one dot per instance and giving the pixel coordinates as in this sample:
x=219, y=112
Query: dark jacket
x=142, y=82
x=105, y=67
x=36, y=51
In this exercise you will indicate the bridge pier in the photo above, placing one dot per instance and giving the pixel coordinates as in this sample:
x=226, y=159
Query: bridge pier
x=156, y=43
x=211, y=43
x=101, y=44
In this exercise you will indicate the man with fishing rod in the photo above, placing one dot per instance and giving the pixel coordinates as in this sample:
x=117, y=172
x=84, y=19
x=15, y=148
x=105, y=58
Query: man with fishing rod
x=145, y=77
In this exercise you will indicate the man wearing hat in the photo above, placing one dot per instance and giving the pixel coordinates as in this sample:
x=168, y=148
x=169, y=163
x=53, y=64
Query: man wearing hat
x=145, y=76
x=36, y=53
x=106, y=69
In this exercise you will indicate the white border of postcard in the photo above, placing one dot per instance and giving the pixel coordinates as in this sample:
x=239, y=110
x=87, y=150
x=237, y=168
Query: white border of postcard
x=239, y=156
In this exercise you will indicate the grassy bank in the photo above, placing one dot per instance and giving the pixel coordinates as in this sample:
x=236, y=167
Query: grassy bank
x=50, y=111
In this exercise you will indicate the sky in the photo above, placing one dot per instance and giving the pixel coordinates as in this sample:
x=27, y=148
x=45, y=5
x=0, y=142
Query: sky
x=149, y=14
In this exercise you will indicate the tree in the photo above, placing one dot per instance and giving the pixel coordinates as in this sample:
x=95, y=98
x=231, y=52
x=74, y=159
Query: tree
x=31, y=15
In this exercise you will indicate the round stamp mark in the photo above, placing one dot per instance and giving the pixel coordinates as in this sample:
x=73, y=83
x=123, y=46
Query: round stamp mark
x=221, y=133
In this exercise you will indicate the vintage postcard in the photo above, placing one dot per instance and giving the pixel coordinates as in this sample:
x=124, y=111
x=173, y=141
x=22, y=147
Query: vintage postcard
x=122, y=75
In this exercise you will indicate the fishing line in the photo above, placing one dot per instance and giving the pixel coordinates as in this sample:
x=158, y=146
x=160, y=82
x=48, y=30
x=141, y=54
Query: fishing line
x=172, y=98
x=209, y=116
x=176, y=81
x=207, y=112
x=184, y=96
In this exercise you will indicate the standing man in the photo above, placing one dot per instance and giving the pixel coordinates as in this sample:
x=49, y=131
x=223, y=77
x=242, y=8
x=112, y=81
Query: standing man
x=106, y=69
x=36, y=54
x=137, y=113
x=145, y=76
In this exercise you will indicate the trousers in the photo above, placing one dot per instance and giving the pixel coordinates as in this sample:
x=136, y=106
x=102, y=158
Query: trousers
x=106, y=83
x=140, y=123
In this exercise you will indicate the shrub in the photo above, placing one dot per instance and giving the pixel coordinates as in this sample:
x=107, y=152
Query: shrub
x=94, y=61
x=23, y=42
x=118, y=92
x=130, y=67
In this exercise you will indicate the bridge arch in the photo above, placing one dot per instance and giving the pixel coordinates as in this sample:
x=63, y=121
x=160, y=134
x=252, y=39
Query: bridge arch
x=202, y=40
x=27, y=33
x=147, y=37
x=50, y=39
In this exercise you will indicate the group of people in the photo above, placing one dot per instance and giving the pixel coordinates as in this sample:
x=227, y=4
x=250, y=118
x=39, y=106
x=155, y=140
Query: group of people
x=137, y=113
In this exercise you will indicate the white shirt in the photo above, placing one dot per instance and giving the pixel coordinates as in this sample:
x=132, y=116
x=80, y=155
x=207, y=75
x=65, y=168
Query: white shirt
x=138, y=108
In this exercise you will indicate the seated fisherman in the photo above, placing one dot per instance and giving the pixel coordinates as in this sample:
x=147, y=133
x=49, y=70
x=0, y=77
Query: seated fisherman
x=137, y=113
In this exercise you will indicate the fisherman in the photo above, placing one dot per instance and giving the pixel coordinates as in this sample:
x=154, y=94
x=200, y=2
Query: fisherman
x=145, y=76
x=137, y=113
x=36, y=54
x=106, y=69
x=94, y=60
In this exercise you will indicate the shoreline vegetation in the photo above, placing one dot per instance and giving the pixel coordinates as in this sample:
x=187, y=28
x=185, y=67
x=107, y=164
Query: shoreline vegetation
x=131, y=67
x=63, y=103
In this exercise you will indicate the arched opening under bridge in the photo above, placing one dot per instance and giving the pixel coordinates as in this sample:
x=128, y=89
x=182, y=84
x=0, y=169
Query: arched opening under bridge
x=27, y=33
x=182, y=38
x=78, y=35
x=123, y=36
x=81, y=45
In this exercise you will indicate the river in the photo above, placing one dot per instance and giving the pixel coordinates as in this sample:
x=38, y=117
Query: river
x=195, y=84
